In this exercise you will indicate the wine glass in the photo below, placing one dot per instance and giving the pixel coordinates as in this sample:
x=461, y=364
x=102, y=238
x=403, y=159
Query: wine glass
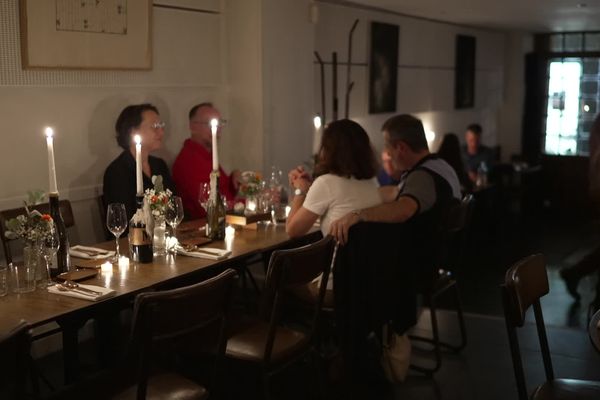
x=174, y=214
x=51, y=244
x=203, y=195
x=116, y=222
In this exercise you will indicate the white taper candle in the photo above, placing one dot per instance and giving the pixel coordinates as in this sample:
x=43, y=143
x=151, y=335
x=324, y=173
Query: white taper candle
x=139, y=183
x=214, y=125
x=53, y=188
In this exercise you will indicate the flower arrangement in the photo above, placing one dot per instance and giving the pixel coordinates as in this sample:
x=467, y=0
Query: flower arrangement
x=250, y=184
x=33, y=226
x=158, y=198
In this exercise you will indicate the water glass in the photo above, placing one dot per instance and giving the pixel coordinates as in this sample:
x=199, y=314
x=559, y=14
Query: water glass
x=203, y=195
x=23, y=277
x=3, y=280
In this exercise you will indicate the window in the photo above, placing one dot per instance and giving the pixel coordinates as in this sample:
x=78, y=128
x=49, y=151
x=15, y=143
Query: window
x=573, y=100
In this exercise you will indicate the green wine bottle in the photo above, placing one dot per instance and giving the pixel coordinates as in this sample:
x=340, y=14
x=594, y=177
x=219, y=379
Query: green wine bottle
x=215, y=214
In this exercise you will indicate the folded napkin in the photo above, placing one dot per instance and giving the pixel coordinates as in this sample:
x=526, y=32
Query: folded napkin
x=88, y=252
x=209, y=253
x=106, y=292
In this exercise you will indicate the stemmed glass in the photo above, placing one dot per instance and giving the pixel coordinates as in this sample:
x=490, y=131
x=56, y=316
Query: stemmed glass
x=51, y=244
x=204, y=195
x=174, y=214
x=116, y=222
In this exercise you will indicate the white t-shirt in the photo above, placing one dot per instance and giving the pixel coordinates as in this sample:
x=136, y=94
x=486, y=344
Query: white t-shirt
x=332, y=197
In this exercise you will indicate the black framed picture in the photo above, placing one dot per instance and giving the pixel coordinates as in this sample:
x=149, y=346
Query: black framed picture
x=383, y=68
x=464, y=72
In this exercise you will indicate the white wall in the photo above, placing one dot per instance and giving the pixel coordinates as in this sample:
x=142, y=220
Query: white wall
x=425, y=72
x=82, y=106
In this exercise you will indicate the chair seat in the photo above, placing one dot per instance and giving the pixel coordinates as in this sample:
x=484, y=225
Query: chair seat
x=167, y=386
x=249, y=343
x=310, y=292
x=567, y=389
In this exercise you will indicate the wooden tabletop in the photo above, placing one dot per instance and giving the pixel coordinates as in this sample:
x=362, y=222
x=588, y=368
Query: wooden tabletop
x=40, y=307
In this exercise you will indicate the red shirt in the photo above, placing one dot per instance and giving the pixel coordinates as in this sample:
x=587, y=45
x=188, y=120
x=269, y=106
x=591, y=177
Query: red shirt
x=192, y=167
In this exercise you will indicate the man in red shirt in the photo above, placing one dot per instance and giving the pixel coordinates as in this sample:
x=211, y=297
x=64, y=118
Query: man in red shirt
x=193, y=165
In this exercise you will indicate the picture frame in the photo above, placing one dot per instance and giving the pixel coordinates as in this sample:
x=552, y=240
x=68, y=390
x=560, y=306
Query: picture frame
x=464, y=78
x=86, y=34
x=383, y=68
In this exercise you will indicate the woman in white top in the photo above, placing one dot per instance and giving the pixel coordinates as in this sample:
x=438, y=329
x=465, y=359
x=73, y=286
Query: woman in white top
x=346, y=167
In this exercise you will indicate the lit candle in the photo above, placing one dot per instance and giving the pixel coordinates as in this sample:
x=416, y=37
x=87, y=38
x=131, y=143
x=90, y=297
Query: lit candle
x=287, y=211
x=317, y=134
x=123, y=262
x=138, y=165
x=51, y=167
x=106, y=267
x=229, y=232
x=214, y=124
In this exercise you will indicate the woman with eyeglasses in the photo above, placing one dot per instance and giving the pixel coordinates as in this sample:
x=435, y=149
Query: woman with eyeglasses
x=119, y=177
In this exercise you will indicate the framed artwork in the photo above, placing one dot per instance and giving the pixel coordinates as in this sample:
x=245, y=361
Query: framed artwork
x=86, y=34
x=464, y=78
x=383, y=68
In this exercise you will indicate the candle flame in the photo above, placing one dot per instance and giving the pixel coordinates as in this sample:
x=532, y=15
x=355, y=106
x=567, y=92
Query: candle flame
x=317, y=121
x=49, y=132
x=137, y=139
x=214, y=123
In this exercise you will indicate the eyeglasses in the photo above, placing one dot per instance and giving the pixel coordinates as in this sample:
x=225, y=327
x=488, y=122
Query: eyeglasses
x=222, y=123
x=158, y=125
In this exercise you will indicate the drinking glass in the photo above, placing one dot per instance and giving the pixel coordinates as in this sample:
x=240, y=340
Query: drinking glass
x=3, y=280
x=174, y=214
x=116, y=222
x=204, y=195
x=51, y=244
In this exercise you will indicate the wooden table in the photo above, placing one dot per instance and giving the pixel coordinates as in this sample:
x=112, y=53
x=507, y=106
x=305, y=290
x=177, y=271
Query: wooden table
x=40, y=307
x=594, y=330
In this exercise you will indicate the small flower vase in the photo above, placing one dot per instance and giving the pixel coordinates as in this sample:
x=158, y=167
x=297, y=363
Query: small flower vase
x=159, y=237
x=33, y=264
x=251, y=205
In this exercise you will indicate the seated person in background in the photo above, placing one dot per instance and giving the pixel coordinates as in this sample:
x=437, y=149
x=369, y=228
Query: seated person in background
x=193, y=165
x=119, y=177
x=346, y=181
x=387, y=174
x=449, y=151
x=474, y=153
x=427, y=187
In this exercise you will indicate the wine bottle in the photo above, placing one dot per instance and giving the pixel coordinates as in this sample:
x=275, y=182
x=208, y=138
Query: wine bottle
x=63, y=259
x=215, y=215
x=140, y=242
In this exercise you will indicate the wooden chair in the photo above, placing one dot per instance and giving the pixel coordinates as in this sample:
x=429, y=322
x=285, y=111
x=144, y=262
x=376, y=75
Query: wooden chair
x=452, y=237
x=65, y=210
x=164, y=317
x=524, y=284
x=266, y=342
x=15, y=365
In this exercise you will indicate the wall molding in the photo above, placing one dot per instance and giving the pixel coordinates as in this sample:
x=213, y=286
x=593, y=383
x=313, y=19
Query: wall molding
x=75, y=195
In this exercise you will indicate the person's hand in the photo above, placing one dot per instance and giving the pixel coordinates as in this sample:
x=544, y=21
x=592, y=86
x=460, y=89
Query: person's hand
x=236, y=178
x=339, y=228
x=473, y=176
x=297, y=174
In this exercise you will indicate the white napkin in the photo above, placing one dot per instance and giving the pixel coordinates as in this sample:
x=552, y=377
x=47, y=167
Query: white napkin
x=209, y=253
x=75, y=251
x=106, y=292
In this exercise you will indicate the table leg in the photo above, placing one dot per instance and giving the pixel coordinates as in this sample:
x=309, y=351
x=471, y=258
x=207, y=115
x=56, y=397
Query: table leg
x=70, y=338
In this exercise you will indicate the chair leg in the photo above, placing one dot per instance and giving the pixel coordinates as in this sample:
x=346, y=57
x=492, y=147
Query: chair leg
x=319, y=373
x=461, y=322
x=266, y=385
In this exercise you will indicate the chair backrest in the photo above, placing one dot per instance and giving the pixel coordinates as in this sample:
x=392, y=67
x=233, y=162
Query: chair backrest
x=14, y=368
x=169, y=315
x=524, y=284
x=452, y=233
x=65, y=211
x=292, y=268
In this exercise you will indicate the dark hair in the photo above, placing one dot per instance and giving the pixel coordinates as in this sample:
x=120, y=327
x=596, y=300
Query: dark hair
x=196, y=107
x=346, y=151
x=475, y=128
x=449, y=151
x=129, y=119
x=407, y=129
